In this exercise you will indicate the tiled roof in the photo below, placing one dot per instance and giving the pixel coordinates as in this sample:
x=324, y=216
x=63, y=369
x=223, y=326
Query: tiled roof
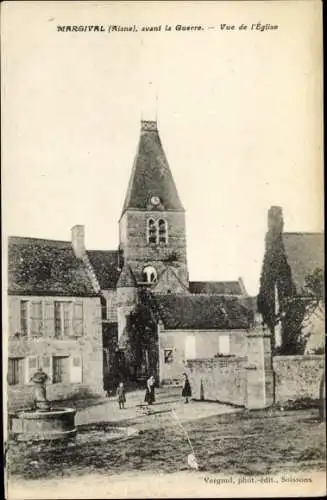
x=45, y=267
x=305, y=253
x=106, y=267
x=216, y=287
x=126, y=278
x=202, y=312
x=151, y=175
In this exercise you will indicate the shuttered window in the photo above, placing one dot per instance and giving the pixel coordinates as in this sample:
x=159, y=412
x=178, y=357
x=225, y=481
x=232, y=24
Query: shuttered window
x=62, y=318
x=16, y=371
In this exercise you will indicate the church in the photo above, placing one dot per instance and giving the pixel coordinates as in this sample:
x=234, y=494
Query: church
x=153, y=317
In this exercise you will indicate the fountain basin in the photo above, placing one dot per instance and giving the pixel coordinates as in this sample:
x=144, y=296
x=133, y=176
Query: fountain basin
x=41, y=425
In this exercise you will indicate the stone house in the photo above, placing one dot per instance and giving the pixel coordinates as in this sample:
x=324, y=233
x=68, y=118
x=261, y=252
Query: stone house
x=291, y=309
x=54, y=321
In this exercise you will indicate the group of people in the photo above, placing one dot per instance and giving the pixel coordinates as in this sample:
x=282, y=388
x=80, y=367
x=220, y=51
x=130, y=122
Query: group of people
x=150, y=392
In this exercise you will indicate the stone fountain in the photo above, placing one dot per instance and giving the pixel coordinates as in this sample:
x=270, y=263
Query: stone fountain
x=42, y=423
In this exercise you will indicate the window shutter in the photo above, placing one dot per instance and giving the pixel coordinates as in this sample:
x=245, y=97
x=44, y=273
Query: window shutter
x=224, y=345
x=14, y=315
x=31, y=365
x=78, y=318
x=190, y=352
x=47, y=366
x=36, y=318
x=76, y=369
x=48, y=319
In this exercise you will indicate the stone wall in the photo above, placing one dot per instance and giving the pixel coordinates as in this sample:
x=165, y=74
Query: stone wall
x=218, y=379
x=87, y=348
x=206, y=345
x=297, y=377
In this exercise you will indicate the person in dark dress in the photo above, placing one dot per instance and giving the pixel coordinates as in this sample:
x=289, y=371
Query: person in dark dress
x=149, y=393
x=121, y=396
x=187, y=391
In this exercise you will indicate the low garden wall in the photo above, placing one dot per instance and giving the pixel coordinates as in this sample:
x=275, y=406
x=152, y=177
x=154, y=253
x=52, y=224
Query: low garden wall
x=218, y=379
x=297, y=377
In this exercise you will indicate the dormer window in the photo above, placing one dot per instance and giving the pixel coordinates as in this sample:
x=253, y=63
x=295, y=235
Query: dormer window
x=149, y=274
x=157, y=232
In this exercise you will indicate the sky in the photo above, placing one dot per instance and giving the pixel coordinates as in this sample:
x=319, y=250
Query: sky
x=239, y=114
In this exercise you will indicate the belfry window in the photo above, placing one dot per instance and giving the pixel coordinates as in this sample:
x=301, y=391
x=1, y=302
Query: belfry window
x=152, y=231
x=162, y=228
x=149, y=274
x=157, y=232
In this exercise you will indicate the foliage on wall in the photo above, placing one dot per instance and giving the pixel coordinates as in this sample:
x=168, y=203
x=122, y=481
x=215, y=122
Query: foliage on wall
x=293, y=306
x=142, y=345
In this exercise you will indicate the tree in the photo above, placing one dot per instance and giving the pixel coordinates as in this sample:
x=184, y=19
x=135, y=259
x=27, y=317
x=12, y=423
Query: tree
x=142, y=335
x=294, y=308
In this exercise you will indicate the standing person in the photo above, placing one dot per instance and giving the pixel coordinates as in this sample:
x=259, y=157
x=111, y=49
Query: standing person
x=187, y=391
x=149, y=393
x=121, y=396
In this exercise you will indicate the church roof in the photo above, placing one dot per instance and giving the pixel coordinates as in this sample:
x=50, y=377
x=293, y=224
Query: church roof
x=305, y=253
x=151, y=175
x=45, y=267
x=126, y=278
x=105, y=264
x=216, y=287
x=202, y=312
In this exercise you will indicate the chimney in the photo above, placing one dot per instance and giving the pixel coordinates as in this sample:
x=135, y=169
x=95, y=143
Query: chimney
x=78, y=243
x=275, y=220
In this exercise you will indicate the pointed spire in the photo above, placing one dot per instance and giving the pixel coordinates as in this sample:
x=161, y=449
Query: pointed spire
x=126, y=278
x=151, y=175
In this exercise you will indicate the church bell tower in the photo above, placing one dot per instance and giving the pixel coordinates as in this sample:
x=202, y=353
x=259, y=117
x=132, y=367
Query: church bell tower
x=152, y=224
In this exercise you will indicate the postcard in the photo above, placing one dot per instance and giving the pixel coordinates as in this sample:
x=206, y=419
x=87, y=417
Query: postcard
x=163, y=249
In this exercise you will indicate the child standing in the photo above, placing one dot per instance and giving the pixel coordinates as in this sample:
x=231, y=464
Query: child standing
x=121, y=395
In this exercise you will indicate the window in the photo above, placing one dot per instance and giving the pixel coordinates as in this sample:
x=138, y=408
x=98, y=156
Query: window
x=223, y=342
x=162, y=226
x=16, y=371
x=152, y=231
x=190, y=347
x=168, y=356
x=24, y=317
x=149, y=274
x=62, y=319
x=157, y=232
x=60, y=367
x=36, y=318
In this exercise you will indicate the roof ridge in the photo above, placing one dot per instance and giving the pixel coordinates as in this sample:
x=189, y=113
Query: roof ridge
x=321, y=233
x=36, y=238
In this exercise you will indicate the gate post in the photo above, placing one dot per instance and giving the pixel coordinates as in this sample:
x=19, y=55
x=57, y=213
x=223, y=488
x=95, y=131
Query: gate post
x=259, y=370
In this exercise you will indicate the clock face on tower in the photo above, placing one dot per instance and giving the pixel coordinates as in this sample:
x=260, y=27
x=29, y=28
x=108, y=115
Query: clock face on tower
x=155, y=200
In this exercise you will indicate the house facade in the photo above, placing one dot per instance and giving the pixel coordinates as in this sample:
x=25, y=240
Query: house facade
x=54, y=321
